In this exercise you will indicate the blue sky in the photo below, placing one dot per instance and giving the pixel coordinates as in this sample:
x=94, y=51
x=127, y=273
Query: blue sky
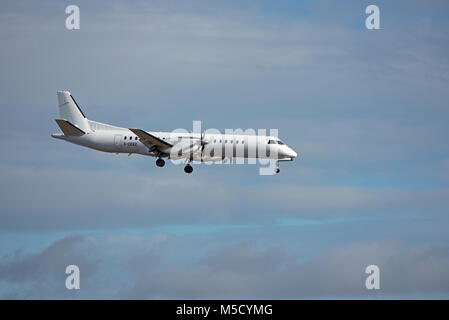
x=366, y=110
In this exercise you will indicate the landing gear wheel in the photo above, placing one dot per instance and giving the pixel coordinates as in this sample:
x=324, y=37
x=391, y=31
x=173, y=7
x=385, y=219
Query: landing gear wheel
x=188, y=169
x=277, y=170
x=160, y=162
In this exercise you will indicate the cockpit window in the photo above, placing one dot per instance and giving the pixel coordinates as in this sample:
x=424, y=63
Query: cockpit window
x=271, y=142
x=280, y=142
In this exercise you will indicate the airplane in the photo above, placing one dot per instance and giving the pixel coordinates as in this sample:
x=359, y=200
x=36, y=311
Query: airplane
x=202, y=147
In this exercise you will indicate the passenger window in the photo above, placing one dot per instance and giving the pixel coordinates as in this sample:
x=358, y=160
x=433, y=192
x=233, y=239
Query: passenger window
x=135, y=138
x=125, y=138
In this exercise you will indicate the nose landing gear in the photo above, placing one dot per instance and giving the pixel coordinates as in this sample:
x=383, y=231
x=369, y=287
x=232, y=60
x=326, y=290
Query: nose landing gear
x=277, y=170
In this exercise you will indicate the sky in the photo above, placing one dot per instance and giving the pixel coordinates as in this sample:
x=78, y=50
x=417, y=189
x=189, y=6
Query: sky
x=366, y=110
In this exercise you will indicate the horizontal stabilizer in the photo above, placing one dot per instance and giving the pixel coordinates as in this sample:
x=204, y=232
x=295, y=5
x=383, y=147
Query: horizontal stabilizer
x=68, y=128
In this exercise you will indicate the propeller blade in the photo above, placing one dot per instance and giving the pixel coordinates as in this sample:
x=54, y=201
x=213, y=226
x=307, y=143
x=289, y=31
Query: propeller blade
x=202, y=145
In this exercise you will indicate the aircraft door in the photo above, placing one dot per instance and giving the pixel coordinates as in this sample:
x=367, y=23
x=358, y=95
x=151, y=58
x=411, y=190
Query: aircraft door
x=118, y=141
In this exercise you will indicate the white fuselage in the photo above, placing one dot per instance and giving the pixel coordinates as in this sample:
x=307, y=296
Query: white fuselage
x=109, y=138
x=77, y=128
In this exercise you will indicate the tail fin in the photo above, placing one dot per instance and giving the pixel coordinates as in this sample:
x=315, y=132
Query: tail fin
x=70, y=111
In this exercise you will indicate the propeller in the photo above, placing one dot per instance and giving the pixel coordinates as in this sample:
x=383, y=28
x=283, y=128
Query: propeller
x=202, y=144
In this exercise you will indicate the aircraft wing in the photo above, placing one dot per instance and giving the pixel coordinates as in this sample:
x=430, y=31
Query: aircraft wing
x=152, y=142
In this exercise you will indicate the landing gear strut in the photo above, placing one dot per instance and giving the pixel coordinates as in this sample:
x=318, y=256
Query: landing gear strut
x=188, y=169
x=160, y=162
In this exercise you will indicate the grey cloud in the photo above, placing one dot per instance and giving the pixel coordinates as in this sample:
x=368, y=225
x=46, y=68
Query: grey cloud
x=240, y=270
x=247, y=272
x=69, y=199
x=42, y=274
x=186, y=49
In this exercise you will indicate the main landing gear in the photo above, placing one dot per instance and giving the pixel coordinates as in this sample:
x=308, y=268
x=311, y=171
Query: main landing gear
x=160, y=162
x=188, y=169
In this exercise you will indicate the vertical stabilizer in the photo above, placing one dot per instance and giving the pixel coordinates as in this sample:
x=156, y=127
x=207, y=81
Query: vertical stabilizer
x=70, y=111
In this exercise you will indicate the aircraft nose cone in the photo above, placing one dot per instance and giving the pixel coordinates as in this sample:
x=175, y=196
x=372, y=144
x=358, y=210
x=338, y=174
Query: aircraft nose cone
x=289, y=153
x=292, y=153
